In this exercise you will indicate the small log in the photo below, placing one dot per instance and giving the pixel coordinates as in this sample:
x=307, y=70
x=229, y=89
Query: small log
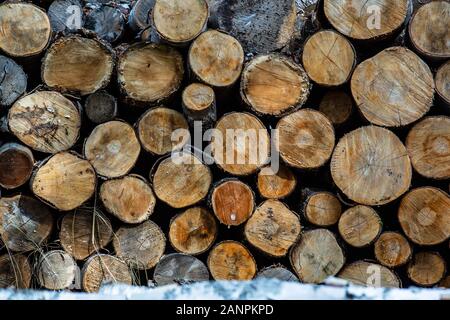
x=13, y=81
x=428, y=145
x=337, y=106
x=64, y=180
x=321, y=208
x=261, y=26
x=397, y=84
x=179, y=21
x=107, y=22
x=140, y=246
x=442, y=81
x=183, y=182
x=76, y=64
x=366, y=20
x=130, y=198
x=274, y=85
x=25, y=223
x=16, y=165
x=149, y=73
x=177, y=268
x=46, y=121
x=101, y=107
x=216, y=59
x=15, y=271
x=102, y=269
x=306, y=139
x=371, y=166
x=112, y=148
x=232, y=201
x=426, y=269
x=193, y=231
x=84, y=231
x=360, y=226
x=273, y=228
x=230, y=260
x=329, y=58
x=56, y=270
x=63, y=15
x=367, y=274
x=26, y=29
x=277, y=185
x=392, y=249
x=156, y=127
x=317, y=256
x=245, y=139
x=424, y=216
x=139, y=18
x=276, y=272
x=199, y=104
x=429, y=30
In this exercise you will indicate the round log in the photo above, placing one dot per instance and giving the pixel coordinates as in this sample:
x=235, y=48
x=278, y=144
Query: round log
x=199, y=104
x=183, y=182
x=25, y=223
x=76, y=64
x=64, y=180
x=101, y=107
x=102, y=269
x=156, y=127
x=337, y=106
x=193, y=231
x=276, y=272
x=179, y=269
x=140, y=246
x=329, y=58
x=139, y=18
x=232, y=201
x=306, y=139
x=426, y=269
x=274, y=85
x=392, y=249
x=112, y=148
x=130, y=198
x=442, y=81
x=107, y=22
x=371, y=166
x=13, y=81
x=276, y=185
x=216, y=59
x=84, y=231
x=397, y=84
x=360, y=226
x=16, y=165
x=26, y=29
x=321, y=208
x=46, y=121
x=230, y=260
x=317, y=256
x=63, y=15
x=429, y=30
x=56, y=270
x=273, y=228
x=149, y=73
x=15, y=271
x=424, y=216
x=367, y=274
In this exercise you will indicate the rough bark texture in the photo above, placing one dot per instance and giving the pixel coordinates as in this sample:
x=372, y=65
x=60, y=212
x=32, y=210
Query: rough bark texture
x=181, y=269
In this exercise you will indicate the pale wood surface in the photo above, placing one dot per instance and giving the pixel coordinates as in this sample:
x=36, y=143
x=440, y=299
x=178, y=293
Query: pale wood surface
x=322, y=209
x=276, y=185
x=426, y=268
x=56, y=270
x=369, y=274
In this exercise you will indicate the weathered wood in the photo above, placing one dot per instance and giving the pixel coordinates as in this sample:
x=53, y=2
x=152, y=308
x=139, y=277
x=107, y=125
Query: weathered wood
x=180, y=269
x=101, y=107
x=337, y=106
x=199, y=104
x=273, y=228
x=84, y=231
x=64, y=180
x=274, y=85
x=193, y=231
x=63, y=15
x=306, y=139
x=15, y=271
x=140, y=246
x=16, y=165
x=428, y=145
x=367, y=274
x=130, y=198
x=45, y=121
x=13, y=81
x=139, y=18
x=230, y=260
x=156, y=127
x=102, y=269
x=56, y=270
x=276, y=185
x=112, y=148
x=321, y=208
x=397, y=84
x=392, y=249
x=276, y=272
x=25, y=223
x=232, y=201
x=371, y=166
x=107, y=22
x=26, y=29
x=426, y=268
x=424, y=216
x=442, y=82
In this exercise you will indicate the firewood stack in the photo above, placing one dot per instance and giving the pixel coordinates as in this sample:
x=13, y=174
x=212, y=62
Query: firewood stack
x=108, y=172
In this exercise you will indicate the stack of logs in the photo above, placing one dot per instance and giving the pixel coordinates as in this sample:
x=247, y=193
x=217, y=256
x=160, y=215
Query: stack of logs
x=91, y=92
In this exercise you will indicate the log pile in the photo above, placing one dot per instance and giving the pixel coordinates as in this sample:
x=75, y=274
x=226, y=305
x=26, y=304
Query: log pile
x=174, y=141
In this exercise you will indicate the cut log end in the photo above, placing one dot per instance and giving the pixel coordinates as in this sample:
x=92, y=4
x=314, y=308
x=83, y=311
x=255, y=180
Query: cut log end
x=15, y=271
x=14, y=81
x=392, y=249
x=369, y=274
x=276, y=185
x=56, y=270
x=321, y=208
x=16, y=165
x=277, y=272
x=101, y=107
x=177, y=268
x=60, y=13
x=199, y=104
x=139, y=18
x=442, y=81
x=107, y=22
x=337, y=106
x=426, y=269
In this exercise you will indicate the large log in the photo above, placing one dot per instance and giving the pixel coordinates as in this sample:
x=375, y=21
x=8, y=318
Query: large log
x=56, y=270
x=369, y=274
x=16, y=165
x=180, y=269
x=426, y=268
x=13, y=81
